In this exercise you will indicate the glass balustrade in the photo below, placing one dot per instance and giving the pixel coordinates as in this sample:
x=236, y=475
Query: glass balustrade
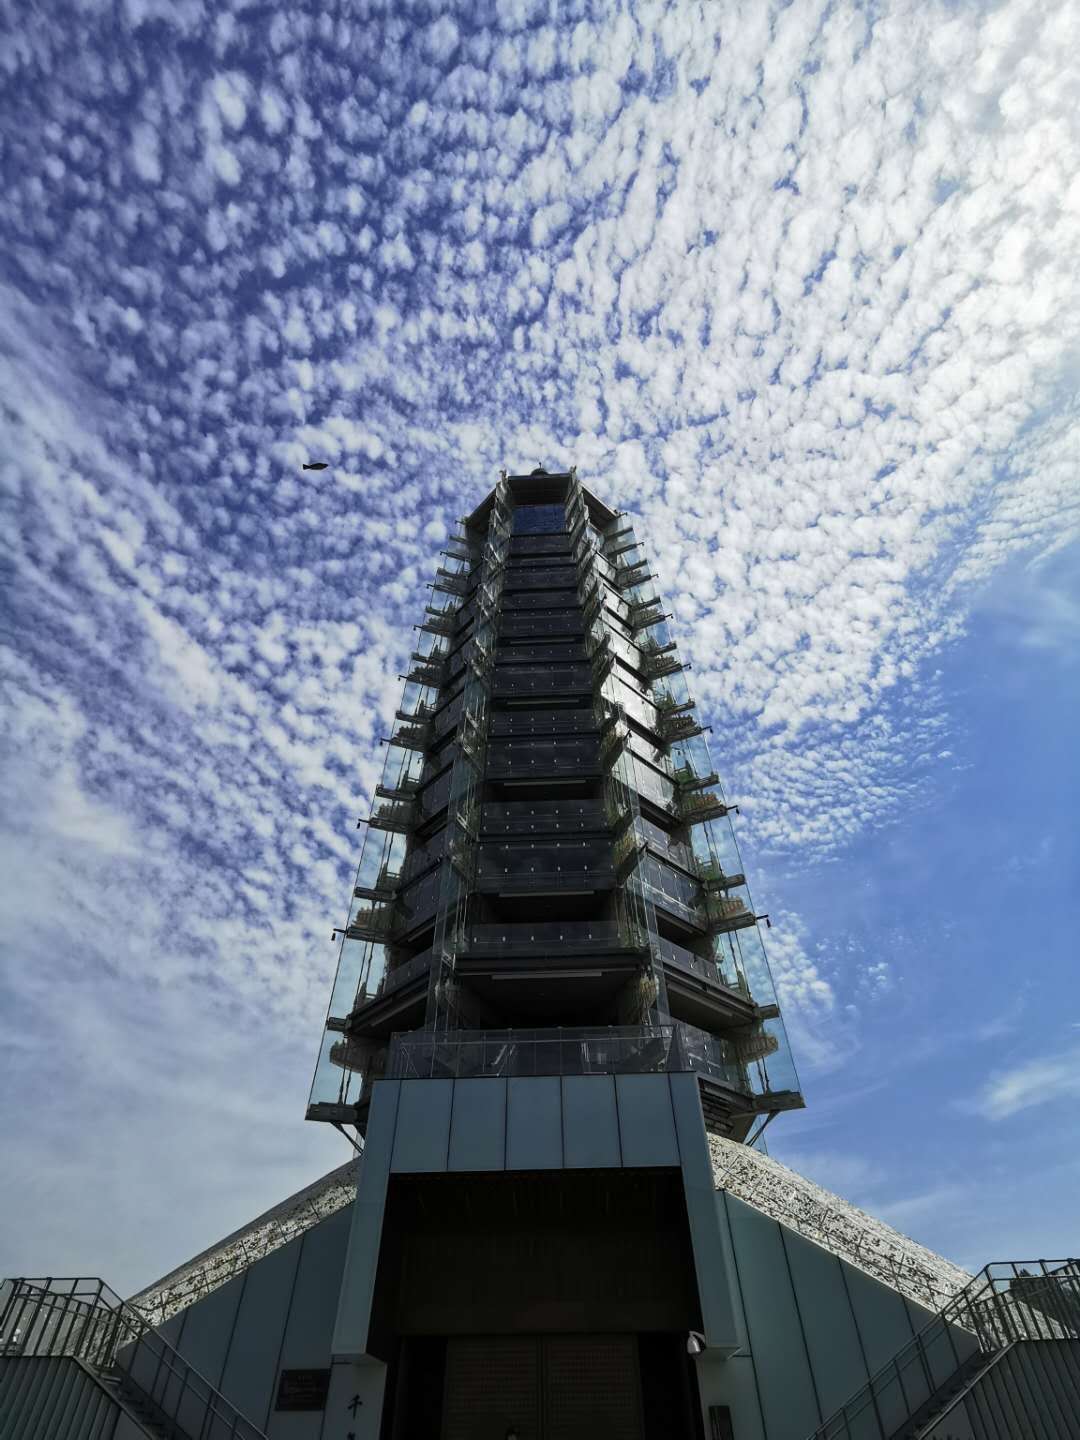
x=538, y=544
x=523, y=758
x=537, y=578
x=703, y=966
x=552, y=935
x=709, y=1055
x=559, y=721
x=547, y=680
x=540, y=600
x=571, y=652
x=382, y=860
x=567, y=863
x=564, y=1051
x=543, y=816
x=566, y=622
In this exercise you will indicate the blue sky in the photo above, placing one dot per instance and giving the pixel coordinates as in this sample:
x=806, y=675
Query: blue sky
x=797, y=285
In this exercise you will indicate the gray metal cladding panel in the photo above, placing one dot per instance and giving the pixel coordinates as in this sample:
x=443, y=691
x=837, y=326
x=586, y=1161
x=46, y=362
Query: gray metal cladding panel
x=732, y=1383
x=250, y=1376
x=379, y=1146
x=832, y=1338
x=590, y=1122
x=534, y=1123
x=478, y=1125
x=365, y=1231
x=422, y=1135
x=51, y=1397
x=208, y=1328
x=787, y=1393
x=310, y=1324
x=1035, y=1383
x=646, y=1121
x=881, y=1315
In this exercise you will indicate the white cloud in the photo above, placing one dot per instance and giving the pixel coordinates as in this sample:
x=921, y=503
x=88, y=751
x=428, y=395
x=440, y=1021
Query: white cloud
x=802, y=297
x=1043, y=1080
x=441, y=39
x=146, y=152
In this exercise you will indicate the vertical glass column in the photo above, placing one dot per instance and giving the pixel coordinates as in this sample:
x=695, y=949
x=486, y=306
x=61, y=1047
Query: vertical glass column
x=467, y=776
x=699, y=806
x=365, y=947
x=647, y=1003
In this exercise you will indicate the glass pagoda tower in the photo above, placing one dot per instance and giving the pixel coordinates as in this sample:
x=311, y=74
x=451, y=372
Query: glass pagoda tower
x=550, y=883
x=554, y=1028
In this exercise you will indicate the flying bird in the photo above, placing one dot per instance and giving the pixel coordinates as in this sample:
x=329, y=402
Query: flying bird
x=315, y=465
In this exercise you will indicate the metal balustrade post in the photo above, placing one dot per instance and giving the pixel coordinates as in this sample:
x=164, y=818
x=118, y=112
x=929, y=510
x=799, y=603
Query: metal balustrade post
x=91, y=1315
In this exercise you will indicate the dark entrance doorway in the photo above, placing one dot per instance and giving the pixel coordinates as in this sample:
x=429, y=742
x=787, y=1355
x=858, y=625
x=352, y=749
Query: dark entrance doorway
x=556, y=1302
x=552, y=1387
x=546, y=1387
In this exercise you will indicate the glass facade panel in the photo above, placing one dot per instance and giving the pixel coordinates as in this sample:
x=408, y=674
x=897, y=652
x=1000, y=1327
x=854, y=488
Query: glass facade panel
x=539, y=519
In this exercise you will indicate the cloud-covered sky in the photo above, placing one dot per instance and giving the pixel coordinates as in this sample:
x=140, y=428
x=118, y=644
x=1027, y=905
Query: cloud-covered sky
x=796, y=284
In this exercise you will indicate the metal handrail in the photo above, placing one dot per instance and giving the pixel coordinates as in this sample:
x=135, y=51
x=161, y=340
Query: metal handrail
x=83, y=1318
x=997, y=1307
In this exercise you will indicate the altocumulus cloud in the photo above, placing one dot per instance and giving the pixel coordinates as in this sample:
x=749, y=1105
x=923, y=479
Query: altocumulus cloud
x=788, y=282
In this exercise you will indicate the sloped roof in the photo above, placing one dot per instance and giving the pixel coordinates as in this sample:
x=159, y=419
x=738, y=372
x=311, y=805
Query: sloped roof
x=758, y=1180
x=834, y=1224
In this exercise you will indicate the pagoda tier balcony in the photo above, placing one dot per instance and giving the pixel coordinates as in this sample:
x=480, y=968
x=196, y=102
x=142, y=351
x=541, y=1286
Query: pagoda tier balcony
x=696, y=993
x=555, y=1050
x=529, y=759
x=660, y=662
x=556, y=938
x=441, y=622
x=644, y=613
x=713, y=877
x=522, y=545
x=398, y=1003
x=565, y=866
x=395, y=814
x=526, y=682
x=451, y=583
x=678, y=723
x=544, y=817
x=693, y=807
x=687, y=778
x=413, y=732
x=724, y=913
x=627, y=576
x=426, y=671
x=524, y=627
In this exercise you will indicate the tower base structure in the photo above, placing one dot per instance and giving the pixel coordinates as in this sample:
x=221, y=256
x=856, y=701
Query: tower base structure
x=551, y=1258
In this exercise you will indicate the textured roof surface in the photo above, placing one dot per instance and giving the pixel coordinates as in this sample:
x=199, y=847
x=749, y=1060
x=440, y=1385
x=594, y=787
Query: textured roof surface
x=276, y=1227
x=757, y=1179
x=835, y=1225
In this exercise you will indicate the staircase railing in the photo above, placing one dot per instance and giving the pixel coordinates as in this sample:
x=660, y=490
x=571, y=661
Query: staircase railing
x=84, y=1319
x=1003, y=1303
